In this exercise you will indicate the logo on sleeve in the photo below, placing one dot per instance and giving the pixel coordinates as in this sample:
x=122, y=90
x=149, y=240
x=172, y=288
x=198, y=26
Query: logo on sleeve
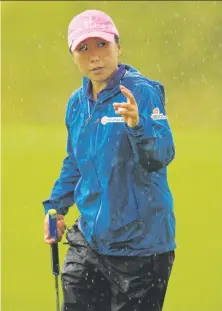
x=157, y=115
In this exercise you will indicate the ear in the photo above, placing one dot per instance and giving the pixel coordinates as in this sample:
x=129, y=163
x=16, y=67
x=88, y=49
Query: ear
x=73, y=58
x=119, y=50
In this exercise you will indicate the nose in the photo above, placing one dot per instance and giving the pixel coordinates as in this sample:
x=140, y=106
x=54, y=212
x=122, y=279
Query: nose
x=94, y=57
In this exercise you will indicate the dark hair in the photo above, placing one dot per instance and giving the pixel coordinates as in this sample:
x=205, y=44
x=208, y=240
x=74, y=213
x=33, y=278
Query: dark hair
x=116, y=38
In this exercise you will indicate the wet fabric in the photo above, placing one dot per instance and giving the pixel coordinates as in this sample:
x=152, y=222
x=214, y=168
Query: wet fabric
x=94, y=282
x=117, y=175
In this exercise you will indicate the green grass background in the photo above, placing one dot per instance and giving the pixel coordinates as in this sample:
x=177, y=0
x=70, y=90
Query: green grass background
x=177, y=43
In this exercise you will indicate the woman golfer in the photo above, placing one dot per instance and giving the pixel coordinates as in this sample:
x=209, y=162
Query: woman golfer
x=121, y=249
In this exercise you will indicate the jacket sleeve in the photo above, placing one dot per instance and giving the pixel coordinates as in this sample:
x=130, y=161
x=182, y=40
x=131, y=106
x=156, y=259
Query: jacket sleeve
x=62, y=194
x=151, y=140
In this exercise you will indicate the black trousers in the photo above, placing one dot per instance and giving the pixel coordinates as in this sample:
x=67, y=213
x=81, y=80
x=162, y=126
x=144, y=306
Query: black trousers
x=94, y=282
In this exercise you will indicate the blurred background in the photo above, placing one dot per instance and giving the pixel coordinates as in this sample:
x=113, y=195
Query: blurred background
x=176, y=43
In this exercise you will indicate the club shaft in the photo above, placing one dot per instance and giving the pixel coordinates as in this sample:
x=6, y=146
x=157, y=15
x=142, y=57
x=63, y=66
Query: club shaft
x=54, y=252
x=57, y=293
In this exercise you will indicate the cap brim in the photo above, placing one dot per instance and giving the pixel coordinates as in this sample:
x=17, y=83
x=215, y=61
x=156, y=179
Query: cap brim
x=96, y=34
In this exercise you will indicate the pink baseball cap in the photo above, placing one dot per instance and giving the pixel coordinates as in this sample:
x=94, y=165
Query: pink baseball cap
x=90, y=24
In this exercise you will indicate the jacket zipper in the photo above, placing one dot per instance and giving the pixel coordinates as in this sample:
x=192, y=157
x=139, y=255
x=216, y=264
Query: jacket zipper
x=96, y=136
x=77, y=185
x=92, y=154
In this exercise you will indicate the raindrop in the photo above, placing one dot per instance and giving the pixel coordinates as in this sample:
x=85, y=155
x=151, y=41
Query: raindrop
x=215, y=56
x=158, y=67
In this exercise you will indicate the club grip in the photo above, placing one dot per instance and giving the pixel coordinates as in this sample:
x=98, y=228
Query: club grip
x=53, y=235
x=52, y=223
x=55, y=258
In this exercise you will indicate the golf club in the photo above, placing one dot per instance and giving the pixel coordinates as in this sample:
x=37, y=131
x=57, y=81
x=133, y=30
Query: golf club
x=54, y=251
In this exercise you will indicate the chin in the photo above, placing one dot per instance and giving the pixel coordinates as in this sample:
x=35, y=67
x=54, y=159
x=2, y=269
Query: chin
x=101, y=79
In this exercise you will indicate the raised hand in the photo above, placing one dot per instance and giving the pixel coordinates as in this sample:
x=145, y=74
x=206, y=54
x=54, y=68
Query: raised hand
x=128, y=110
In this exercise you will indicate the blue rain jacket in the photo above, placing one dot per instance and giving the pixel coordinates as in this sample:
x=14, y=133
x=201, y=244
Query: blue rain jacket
x=117, y=175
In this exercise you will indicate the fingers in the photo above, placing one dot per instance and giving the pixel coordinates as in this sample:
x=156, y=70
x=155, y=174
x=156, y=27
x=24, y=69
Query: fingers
x=60, y=217
x=130, y=108
x=60, y=229
x=48, y=240
x=128, y=95
x=60, y=226
x=126, y=109
x=123, y=105
x=126, y=112
x=46, y=230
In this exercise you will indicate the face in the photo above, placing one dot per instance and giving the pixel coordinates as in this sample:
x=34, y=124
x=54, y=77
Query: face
x=97, y=59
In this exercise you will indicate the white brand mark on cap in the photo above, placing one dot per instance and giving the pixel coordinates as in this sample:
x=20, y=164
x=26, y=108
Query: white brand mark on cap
x=90, y=24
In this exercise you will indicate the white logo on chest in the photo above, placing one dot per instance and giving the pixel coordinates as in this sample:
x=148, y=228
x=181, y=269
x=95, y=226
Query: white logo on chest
x=105, y=120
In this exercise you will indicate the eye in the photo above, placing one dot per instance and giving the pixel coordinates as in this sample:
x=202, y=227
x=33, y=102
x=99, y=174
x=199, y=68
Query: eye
x=101, y=44
x=82, y=48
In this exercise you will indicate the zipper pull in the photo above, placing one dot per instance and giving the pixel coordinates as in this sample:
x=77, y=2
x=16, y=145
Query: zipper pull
x=88, y=119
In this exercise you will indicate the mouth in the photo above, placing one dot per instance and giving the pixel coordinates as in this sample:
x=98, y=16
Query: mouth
x=97, y=69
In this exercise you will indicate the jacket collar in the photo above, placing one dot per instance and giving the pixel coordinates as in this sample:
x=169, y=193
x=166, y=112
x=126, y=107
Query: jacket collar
x=112, y=85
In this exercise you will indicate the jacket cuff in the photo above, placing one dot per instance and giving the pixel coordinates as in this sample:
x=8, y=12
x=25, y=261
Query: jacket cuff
x=140, y=130
x=136, y=130
x=48, y=205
